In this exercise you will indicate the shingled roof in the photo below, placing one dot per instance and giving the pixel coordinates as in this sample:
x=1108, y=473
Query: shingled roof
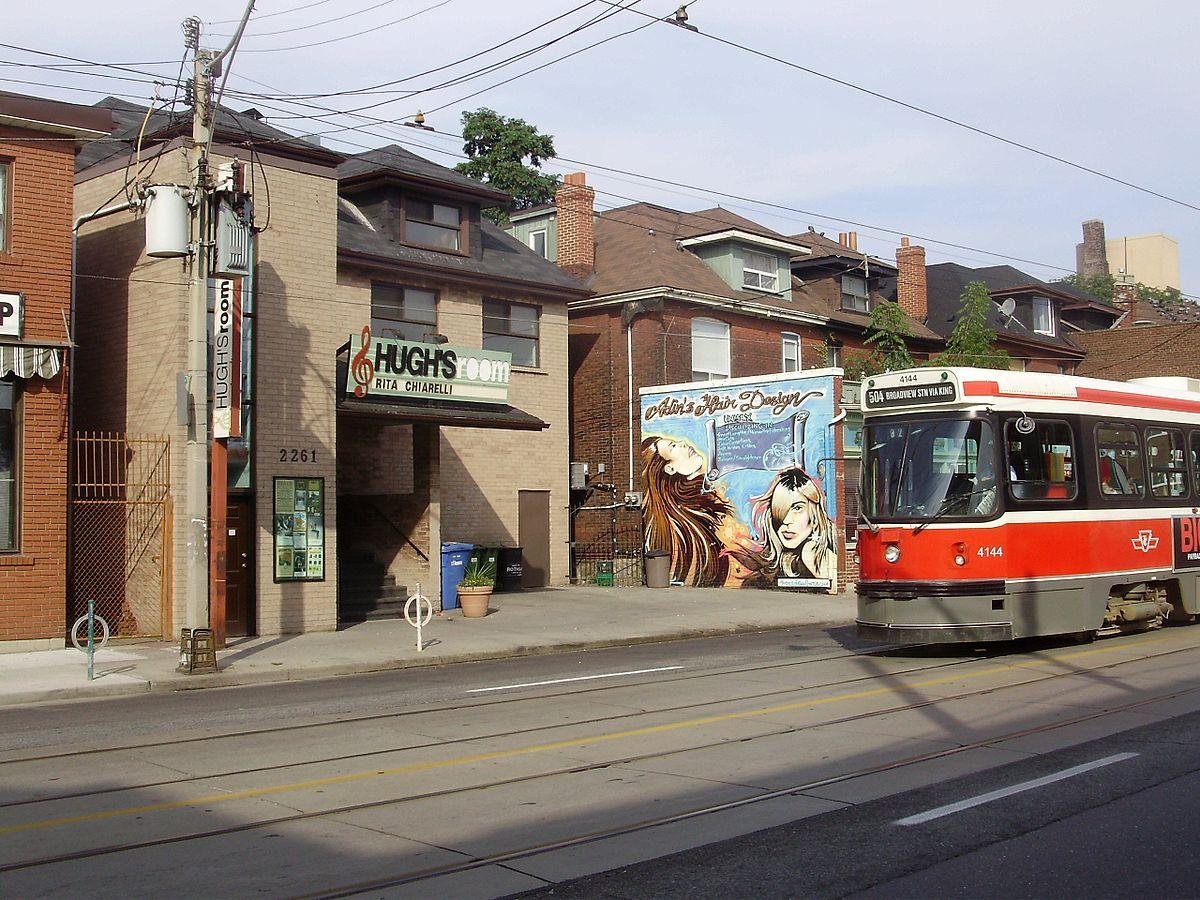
x=1142, y=351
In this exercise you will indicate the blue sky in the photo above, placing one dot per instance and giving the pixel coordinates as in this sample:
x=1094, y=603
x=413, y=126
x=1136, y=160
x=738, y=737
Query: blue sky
x=1105, y=84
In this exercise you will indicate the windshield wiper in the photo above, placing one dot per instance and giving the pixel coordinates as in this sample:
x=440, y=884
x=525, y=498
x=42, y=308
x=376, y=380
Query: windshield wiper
x=944, y=507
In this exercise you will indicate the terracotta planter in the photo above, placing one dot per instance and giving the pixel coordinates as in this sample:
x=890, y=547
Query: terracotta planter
x=474, y=601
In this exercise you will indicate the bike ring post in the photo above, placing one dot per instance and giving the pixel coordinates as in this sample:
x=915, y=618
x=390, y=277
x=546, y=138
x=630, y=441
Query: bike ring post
x=91, y=636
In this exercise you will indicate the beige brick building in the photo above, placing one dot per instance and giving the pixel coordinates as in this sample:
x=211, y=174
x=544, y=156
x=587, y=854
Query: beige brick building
x=384, y=240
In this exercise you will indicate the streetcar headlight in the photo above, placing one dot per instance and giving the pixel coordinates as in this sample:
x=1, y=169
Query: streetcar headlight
x=959, y=559
x=892, y=553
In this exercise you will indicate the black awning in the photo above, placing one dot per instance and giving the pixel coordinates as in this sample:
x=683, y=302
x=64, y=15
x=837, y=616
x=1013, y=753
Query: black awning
x=460, y=415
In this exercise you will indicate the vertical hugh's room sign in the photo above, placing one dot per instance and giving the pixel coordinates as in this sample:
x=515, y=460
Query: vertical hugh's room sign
x=299, y=524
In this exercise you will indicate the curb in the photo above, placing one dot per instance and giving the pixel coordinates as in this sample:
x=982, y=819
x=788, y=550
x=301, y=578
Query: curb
x=282, y=675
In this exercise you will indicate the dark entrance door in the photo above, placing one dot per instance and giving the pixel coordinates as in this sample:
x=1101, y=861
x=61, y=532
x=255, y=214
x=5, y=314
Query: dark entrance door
x=533, y=526
x=239, y=585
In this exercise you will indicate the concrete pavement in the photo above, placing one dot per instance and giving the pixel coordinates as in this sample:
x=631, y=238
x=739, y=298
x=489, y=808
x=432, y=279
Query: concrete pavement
x=519, y=624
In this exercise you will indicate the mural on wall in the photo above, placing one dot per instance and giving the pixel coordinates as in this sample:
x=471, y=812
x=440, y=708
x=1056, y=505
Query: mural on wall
x=739, y=481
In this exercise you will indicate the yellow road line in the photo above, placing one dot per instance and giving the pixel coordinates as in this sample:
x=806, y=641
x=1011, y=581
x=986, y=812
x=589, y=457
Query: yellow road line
x=253, y=793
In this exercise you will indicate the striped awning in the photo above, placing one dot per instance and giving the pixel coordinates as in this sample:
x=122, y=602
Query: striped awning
x=29, y=362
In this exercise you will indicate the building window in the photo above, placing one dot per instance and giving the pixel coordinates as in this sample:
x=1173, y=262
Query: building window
x=1017, y=364
x=1119, y=461
x=405, y=314
x=537, y=243
x=833, y=355
x=1043, y=316
x=9, y=468
x=710, y=350
x=1066, y=368
x=760, y=271
x=5, y=210
x=512, y=328
x=855, y=295
x=791, y=352
x=432, y=224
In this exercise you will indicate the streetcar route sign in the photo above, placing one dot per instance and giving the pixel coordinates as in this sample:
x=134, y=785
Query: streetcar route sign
x=911, y=395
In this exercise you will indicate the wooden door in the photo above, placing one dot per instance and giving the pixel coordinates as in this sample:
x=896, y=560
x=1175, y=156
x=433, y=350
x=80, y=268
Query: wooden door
x=533, y=526
x=239, y=585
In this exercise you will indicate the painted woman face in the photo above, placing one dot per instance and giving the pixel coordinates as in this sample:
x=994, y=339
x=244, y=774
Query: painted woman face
x=796, y=525
x=681, y=457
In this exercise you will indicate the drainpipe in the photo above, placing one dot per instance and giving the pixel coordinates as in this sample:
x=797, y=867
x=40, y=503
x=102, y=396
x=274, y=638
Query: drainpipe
x=629, y=377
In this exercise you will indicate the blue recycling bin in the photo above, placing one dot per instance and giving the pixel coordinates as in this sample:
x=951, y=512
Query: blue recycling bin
x=454, y=561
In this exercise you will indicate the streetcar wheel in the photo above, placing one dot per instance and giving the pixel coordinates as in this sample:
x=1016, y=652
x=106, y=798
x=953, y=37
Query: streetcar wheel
x=1083, y=637
x=79, y=633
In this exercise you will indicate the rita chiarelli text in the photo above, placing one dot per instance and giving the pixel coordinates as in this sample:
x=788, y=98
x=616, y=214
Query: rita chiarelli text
x=746, y=401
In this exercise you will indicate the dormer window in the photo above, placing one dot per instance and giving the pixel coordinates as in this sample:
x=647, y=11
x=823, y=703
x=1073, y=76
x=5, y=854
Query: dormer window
x=760, y=271
x=1043, y=316
x=856, y=296
x=433, y=224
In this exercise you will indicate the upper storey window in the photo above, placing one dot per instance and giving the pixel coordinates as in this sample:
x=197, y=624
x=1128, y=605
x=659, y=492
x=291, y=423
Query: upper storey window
x=856, y=294
x=760, y=271
x=5, y=211
x=1043, y=316
x=433, y=224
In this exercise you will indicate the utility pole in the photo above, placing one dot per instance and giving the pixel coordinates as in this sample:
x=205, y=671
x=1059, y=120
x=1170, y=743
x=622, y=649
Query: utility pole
x=205, y=65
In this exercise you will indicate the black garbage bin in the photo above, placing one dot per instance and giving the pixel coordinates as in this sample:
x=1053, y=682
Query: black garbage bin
x=509, y=572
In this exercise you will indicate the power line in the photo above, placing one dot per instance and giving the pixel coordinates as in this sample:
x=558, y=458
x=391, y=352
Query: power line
x=346, y=37
x=924, y=111
x=340, y=18
x=282, y=12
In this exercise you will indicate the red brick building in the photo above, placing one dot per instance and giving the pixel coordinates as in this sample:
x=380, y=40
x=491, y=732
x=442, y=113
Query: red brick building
x=38, y=142
x=690, y=296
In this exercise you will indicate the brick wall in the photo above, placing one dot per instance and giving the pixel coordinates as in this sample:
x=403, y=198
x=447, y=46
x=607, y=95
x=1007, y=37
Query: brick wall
x=38, y=264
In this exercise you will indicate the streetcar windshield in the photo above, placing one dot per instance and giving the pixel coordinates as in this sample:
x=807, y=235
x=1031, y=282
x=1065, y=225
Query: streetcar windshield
x=918, y=470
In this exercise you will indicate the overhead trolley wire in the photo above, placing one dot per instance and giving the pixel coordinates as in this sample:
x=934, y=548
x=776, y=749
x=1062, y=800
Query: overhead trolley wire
x=340, y=18
x=950, y=120
x=346, y=37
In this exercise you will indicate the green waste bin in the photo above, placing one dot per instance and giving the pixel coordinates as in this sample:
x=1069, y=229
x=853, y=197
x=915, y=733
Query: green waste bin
x=658, y=569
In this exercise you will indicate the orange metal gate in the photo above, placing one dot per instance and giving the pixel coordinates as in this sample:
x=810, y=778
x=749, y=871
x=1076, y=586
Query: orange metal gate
x=121, y=531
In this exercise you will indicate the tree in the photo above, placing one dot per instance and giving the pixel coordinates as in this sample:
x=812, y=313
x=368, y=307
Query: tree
x=1101, y=287
x=973, y=342
x=888, y=335
x=498, y=148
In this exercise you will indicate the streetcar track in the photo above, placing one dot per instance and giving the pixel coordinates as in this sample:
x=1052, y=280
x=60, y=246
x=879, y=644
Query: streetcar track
x=484, y=704
x=449, y=742
x=625, y=761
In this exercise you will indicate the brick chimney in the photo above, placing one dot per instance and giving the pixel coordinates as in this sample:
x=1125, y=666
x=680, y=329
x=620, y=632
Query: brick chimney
x=576, y=225
x=911, y=290
x=1124, y=297
x=1091, y=257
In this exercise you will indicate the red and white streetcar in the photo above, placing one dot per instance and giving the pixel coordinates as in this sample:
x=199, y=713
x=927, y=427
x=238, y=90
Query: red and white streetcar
x=1000, y=505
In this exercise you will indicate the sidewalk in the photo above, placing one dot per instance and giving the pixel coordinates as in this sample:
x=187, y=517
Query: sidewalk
x=519, y=624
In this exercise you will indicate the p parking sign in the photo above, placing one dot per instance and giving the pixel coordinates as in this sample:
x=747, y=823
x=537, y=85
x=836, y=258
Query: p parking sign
x=12, y=310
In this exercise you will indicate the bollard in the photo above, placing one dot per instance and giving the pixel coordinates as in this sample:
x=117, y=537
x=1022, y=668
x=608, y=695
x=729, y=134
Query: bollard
x=423, y=614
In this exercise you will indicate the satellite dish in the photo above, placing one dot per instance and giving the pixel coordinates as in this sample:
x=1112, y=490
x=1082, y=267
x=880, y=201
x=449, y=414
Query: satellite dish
x=1008, y=306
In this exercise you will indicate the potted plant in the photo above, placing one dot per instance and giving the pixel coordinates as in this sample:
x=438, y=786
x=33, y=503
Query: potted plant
x=475, y=589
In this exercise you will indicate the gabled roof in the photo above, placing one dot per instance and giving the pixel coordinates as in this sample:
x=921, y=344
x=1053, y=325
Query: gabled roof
x=395, y=161
x=825, y=305
x=229, y=127
x=947, y=281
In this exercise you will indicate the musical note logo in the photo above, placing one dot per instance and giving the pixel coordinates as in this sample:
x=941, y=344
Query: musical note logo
x=362, y=367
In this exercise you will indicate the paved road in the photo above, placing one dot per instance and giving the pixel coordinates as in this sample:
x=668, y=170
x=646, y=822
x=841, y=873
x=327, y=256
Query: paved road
x=498, y=778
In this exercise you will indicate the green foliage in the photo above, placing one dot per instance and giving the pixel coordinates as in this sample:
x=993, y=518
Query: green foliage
x=479, y=573
x=1101, y=287
x=859, y=364
x=888, y=336
x=498, y=148
x=973, y=342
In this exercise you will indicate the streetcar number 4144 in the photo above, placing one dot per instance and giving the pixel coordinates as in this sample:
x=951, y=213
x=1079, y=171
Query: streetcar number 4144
x=990, y=551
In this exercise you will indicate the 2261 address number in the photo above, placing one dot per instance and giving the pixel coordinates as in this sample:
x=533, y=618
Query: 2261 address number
x=297, y=454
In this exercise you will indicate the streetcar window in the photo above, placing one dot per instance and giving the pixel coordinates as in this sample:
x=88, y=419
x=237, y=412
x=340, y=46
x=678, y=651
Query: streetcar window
x=1167, y=462
x=1041, y=464
x=1120, y=461
x=926, y=469
x=1195, y=441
